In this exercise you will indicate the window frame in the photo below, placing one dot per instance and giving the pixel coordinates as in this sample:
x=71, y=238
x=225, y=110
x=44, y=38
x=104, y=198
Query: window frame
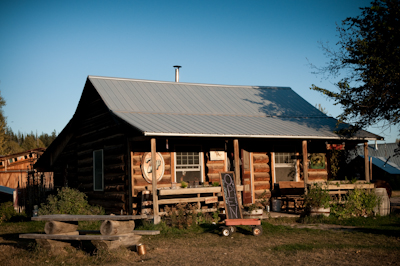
x=94, y=170
x=200, y=164
x=286, y=165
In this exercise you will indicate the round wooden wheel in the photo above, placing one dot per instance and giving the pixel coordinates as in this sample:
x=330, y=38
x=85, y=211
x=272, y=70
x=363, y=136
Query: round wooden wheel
x=257, y=230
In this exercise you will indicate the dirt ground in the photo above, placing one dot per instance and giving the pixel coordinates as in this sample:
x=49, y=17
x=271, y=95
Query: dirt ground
x=279, y=245
x=283, y=243
x=301, y=249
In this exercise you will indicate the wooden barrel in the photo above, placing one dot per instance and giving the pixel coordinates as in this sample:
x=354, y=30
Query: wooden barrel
x=383, y=208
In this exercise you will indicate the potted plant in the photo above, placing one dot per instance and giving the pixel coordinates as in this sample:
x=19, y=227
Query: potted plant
x=255, y=209
x=184, y=184
x=317, y=200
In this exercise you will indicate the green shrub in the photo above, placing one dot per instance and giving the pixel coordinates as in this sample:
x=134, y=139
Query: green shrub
x=69, y=201
x=182, y=216
x=215, y=184
x=7, y=211
x=317, y=197
x=359, y=202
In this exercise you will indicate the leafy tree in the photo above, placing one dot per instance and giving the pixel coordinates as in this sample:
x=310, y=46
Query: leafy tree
x=367, y=66
x=13, y=147
x=322, y=109
x=3, y=128
x=48, y=139
x=31, y=142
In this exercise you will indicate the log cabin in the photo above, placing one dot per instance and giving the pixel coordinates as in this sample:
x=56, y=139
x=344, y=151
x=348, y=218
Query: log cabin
x=124, y=128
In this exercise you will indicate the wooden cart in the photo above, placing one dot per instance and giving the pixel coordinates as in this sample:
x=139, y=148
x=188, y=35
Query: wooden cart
x=230, y=226
x=233, y=208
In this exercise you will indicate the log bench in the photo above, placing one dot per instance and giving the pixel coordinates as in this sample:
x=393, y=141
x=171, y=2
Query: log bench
x=115, y=231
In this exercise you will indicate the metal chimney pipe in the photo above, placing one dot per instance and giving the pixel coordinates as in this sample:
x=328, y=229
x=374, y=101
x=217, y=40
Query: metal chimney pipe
x=177, y=73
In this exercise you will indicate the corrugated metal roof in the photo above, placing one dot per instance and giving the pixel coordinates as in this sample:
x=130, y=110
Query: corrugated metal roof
x=385, y=150
x=7, y=190
x=385, y=165
x=170, y=108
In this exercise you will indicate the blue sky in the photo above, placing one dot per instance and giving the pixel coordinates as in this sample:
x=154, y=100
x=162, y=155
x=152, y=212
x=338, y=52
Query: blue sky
x=48, y=48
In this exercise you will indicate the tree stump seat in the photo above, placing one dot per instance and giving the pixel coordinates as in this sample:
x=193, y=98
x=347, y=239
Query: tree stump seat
x=115, y=231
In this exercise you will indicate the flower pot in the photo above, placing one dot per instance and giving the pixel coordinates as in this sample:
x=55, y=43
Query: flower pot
x=320, y=211
x=256, y=212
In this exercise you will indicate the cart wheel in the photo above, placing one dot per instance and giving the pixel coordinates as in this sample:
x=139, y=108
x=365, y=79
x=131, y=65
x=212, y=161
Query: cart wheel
x=257, y=230
x=226, y=231
x=233, y=229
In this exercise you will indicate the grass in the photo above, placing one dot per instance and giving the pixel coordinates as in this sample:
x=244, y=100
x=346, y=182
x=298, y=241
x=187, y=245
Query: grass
x=315, y=246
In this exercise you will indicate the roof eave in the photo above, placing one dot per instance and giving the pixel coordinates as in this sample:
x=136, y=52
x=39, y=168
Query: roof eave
x=158, y=134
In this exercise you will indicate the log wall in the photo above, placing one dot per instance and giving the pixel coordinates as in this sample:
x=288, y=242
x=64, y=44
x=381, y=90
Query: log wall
x=261, y=172
x=139, y=184
x=317, y=174
x=213, y=170
x=96, y=129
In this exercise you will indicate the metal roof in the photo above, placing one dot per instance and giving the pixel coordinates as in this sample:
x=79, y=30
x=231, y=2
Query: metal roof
x=383, y=156
x=7, y=190
x=385, y=164
x=185, y=109
x=385, y=150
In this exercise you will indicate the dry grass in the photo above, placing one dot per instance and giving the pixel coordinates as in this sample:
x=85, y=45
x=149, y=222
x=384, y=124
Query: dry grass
x=279, y=245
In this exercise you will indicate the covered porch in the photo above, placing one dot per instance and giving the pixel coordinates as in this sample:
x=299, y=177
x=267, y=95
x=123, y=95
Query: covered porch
x=263, y=168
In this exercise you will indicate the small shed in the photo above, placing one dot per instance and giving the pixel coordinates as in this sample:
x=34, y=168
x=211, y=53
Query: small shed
x=15, y=169
x=20, y=181
x=384, y=163
x=124, y=128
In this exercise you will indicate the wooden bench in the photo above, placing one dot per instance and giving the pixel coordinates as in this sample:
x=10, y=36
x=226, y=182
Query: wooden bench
x=338, y=190
x=292, y=192
x=197, y=195
x=115, y=231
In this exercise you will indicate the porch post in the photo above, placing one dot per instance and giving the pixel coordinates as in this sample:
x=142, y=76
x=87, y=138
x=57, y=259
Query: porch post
x=237, y=168
x=129, y=174
x=305, y=164
x=366, y=164
x=154, y=181
x=370, y=168
x=237, y=162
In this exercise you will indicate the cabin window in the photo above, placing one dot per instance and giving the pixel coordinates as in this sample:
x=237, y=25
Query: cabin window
x=98, y=170
x=188, y=166
x=285, y=166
